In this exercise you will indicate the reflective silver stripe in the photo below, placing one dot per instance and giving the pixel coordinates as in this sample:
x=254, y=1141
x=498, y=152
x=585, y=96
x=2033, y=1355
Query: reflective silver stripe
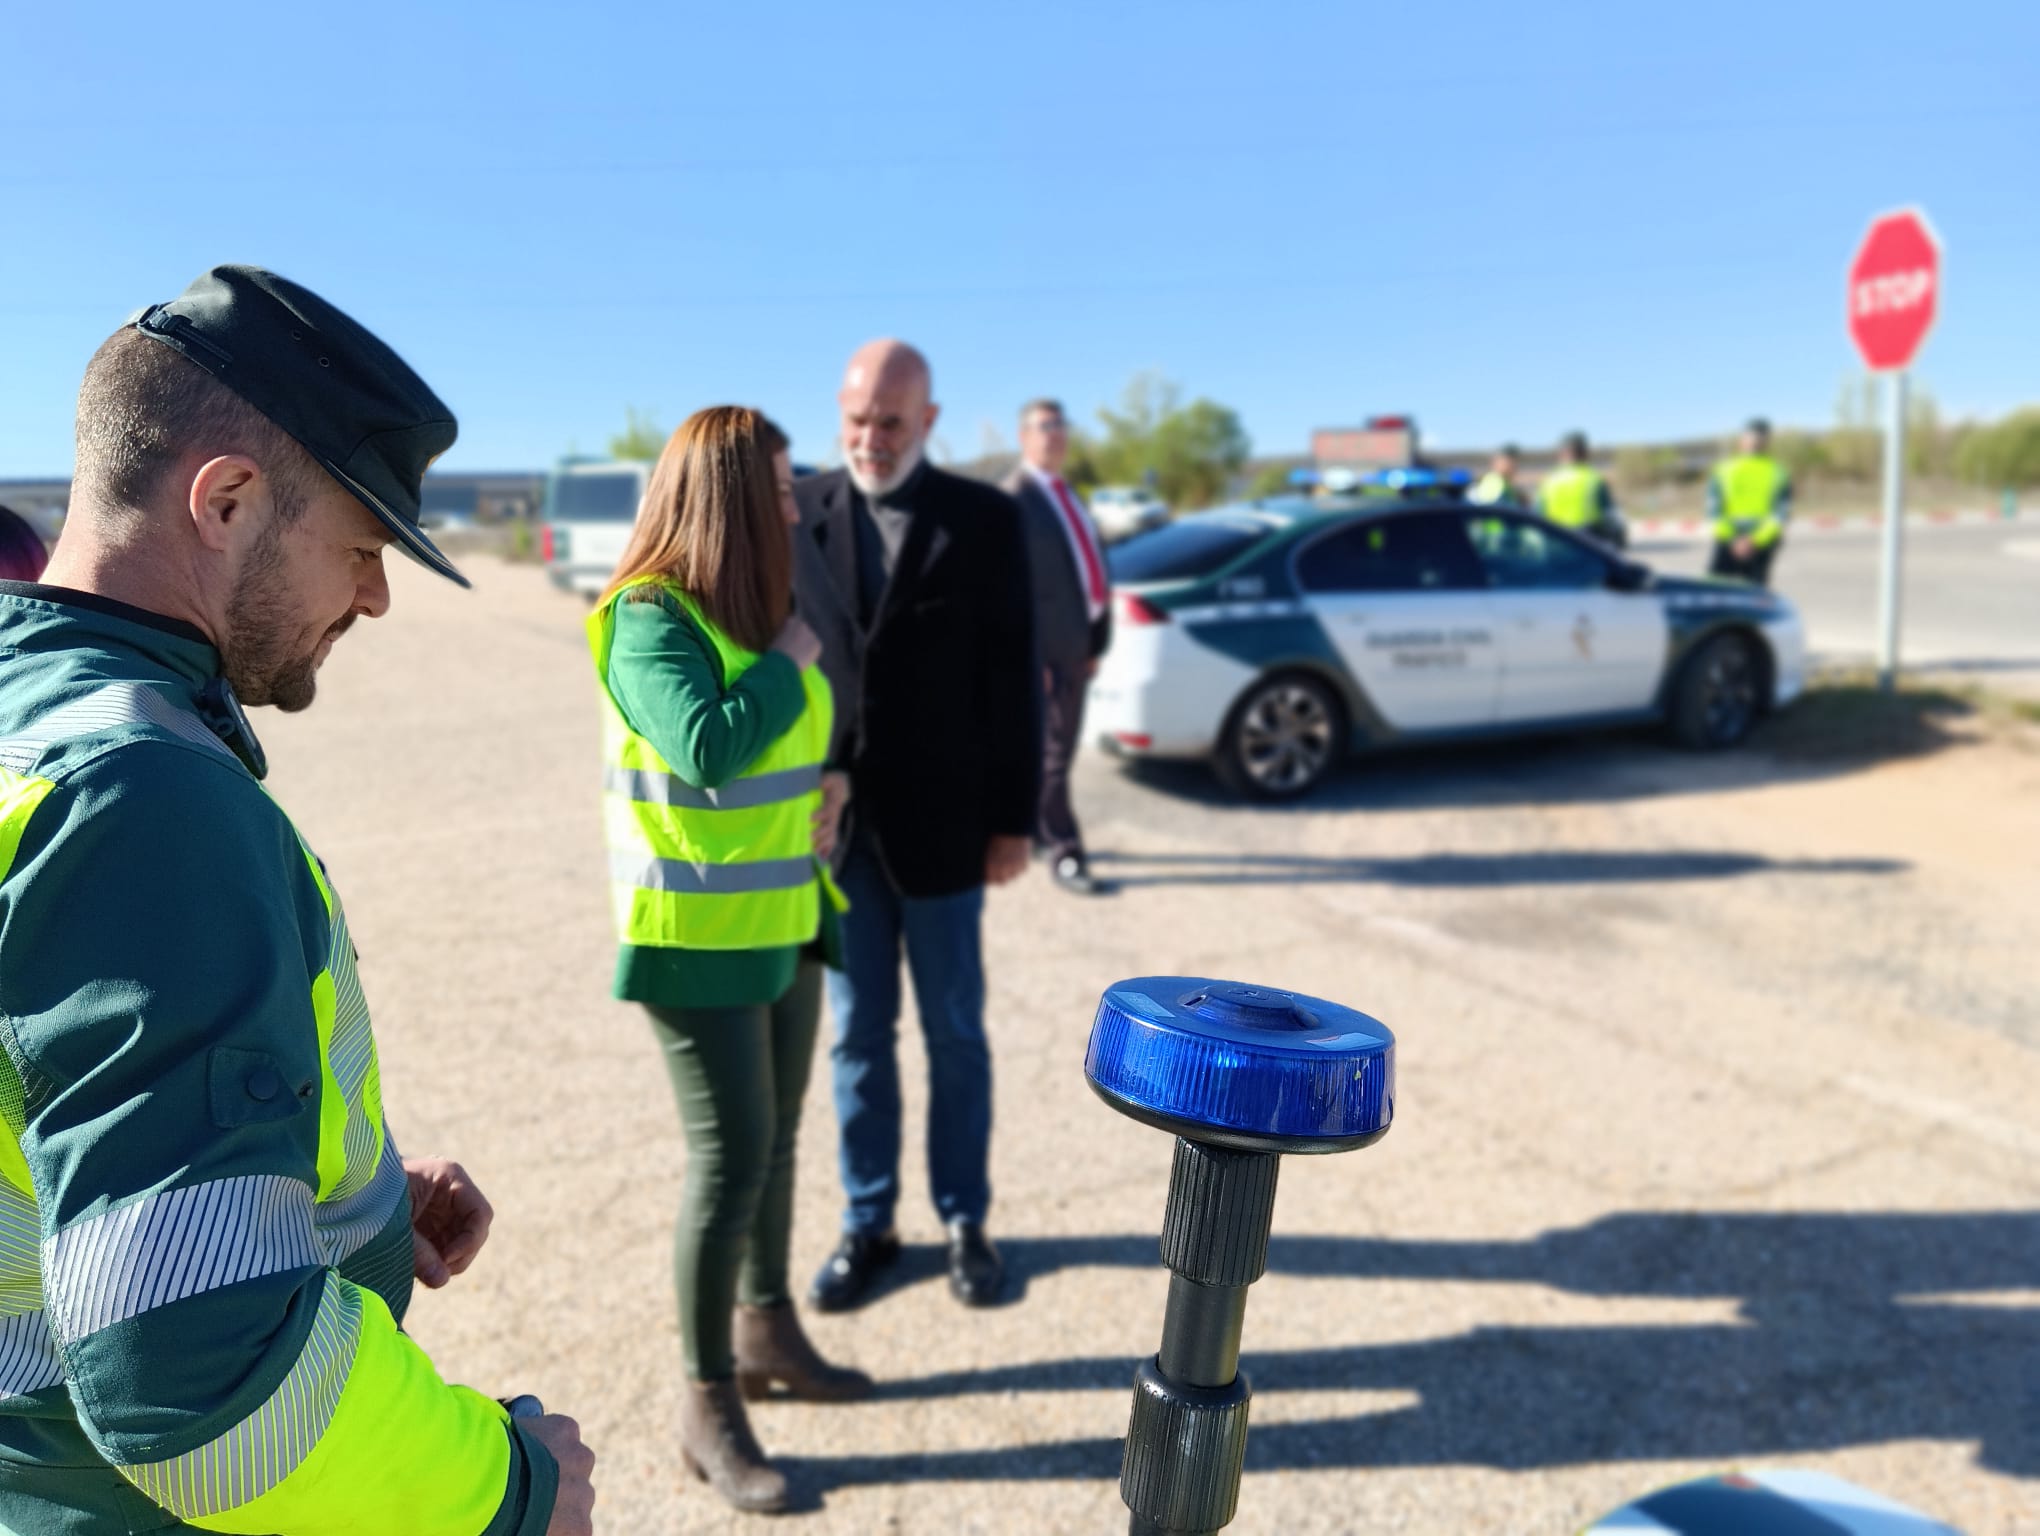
x=649, y=787
x=345, y=1226
x=166, y=1247
x=681, y=878
x=106, y=709
x=273, y=1441
x=28, y=1356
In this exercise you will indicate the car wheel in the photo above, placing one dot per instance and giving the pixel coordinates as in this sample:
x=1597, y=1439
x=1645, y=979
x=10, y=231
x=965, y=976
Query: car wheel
x=1718, y=696
x=1282, y=739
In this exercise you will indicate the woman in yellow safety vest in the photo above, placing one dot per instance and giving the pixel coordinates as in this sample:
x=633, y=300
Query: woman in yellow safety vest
x=719, y=815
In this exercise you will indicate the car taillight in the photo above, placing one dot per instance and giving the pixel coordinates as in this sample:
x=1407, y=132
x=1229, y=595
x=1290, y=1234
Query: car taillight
x=1138, y=610
x=546, y=546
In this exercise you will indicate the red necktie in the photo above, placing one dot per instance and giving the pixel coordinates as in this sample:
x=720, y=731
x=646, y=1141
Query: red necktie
x=1094, y=569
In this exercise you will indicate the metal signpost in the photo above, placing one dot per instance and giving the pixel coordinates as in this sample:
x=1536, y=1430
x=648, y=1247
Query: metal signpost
x=1894, y=294
x=1239, y=1075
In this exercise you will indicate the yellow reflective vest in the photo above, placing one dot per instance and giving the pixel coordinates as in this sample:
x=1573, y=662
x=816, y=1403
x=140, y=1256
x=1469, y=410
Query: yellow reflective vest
x=1751, y=494
x=1571, y=496
x=730, y=867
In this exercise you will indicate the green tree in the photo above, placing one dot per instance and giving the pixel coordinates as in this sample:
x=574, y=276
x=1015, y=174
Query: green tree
x=1188, y=453
x=1855, y=449
x=2004, y=454
x=1269, y=480
x=641, y=437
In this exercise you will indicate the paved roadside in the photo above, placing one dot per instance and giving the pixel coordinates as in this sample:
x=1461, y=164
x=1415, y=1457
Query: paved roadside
x=1715, y=1143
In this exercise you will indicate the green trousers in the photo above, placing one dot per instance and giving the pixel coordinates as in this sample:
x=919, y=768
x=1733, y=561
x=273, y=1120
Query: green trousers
x=739, y=1075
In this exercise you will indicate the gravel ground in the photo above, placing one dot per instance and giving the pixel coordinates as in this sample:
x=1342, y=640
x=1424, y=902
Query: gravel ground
x=1716, y=1147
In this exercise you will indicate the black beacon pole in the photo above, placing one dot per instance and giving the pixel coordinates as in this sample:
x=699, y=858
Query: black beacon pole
x=1240, y=1074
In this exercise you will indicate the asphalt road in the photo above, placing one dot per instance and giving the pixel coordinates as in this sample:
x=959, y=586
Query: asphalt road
x=1714, y=1143
x=1970, y=602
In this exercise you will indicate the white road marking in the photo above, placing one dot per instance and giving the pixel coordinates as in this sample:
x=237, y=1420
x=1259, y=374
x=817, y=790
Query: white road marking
x=1947, y=1112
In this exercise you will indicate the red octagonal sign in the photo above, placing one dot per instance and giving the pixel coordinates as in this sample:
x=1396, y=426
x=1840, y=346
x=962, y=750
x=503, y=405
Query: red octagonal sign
x=1894, y=289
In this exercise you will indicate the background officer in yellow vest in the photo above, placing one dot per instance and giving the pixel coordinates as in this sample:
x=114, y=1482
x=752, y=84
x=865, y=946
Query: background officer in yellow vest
x=716, y=725
x=1499, y=487
x=1576, y=495
x=208, y=1237
x=1749, y=501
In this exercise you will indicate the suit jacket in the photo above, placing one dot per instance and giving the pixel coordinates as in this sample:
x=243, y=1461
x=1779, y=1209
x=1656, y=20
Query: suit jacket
x=938, y=703
x=1063, y=630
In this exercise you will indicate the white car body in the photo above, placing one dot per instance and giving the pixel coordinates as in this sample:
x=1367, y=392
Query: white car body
x=590, y=509
x=1414, y=665
x=1121, y=511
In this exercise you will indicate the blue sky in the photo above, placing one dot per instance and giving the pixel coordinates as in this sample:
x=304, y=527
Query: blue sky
x=1510, y=220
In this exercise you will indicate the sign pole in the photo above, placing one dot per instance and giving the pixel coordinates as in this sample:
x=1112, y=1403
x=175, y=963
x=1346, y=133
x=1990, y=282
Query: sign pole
x=1894, y=530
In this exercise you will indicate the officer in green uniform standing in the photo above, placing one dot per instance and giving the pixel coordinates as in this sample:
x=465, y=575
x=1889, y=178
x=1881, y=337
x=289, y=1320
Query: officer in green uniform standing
x=1749, y=501
x=208, y=1237
x=1576, y=495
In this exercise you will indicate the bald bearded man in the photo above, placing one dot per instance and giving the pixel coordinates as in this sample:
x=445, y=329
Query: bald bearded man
x=916, y=580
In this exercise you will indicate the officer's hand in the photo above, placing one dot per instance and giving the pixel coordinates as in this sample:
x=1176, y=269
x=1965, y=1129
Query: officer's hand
x=449, y=1219
x=1744, y=548
x=1005, y=859
x=798, y=643
x=574, y=1506
x=828, y=817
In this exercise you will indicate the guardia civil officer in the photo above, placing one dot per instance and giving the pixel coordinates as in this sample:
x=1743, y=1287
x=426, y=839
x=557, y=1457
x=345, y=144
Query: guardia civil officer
x=1576, y=495
x=1500, y=486
x=1749, y=501
x=208, y=1237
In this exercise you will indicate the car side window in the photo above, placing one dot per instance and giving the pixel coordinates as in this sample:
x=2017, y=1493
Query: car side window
x=1521, y=553
x=1392, y=554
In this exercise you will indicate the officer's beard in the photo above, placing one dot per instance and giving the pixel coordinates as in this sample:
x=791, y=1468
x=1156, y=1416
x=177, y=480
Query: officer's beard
x=265, y=655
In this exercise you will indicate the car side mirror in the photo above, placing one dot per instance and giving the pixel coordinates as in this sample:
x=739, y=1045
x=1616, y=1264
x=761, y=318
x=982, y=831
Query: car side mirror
x=1626, y=577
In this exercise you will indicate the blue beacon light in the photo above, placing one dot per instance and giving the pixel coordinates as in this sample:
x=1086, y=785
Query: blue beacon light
x=1239, y=1074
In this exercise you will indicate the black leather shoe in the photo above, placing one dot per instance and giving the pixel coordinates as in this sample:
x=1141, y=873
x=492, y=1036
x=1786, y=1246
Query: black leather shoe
x=851, y=1271
x=1072, y=875
x=976, y=1272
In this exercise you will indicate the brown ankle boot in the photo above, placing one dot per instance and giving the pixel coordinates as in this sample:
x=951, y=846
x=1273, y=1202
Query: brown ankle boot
x=772, y=1348
x=718, y=1447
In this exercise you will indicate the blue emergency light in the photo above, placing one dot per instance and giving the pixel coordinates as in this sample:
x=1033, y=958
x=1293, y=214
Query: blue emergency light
x=1239, y=1074
x=1256, y=1068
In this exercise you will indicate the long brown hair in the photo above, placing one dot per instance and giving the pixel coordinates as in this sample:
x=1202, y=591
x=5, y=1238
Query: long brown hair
x=711, y=524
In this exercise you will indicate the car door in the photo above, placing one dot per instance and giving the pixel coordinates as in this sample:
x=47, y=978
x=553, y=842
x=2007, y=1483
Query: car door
x=1404, y=599
x=1571, y=644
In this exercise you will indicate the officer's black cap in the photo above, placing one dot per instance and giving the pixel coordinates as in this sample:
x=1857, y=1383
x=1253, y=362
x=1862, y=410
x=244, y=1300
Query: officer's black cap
x=1757, y=426
x=349, y=401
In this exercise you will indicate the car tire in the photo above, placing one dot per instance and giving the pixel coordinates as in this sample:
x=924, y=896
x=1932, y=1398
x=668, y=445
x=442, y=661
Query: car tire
x=1282, y=738
x=1719, y=694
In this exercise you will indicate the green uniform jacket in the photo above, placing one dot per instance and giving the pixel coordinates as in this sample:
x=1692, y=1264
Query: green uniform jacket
x=205, y=1246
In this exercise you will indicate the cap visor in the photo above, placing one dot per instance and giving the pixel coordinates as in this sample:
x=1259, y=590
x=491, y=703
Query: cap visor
x=409, y=536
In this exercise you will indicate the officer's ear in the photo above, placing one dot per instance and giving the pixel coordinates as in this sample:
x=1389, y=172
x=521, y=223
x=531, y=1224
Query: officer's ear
x=227, y=498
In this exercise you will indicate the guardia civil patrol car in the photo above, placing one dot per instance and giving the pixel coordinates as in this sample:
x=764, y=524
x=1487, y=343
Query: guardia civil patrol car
x=1276, y=637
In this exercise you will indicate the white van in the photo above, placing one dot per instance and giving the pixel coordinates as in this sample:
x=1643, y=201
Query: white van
x=590, y=505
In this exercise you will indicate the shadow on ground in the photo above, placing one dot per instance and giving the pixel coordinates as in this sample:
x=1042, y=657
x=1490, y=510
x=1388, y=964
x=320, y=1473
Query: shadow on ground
x=1443, y=870
x=1850, y=1330
x=1835, y=728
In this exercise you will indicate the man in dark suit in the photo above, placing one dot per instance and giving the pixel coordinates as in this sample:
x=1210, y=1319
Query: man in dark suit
x=915, y=580
x=1072, y=623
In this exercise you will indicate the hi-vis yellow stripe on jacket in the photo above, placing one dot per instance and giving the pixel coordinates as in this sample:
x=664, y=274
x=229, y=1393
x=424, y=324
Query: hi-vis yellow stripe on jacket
x=193, y=1160
x=731, y=867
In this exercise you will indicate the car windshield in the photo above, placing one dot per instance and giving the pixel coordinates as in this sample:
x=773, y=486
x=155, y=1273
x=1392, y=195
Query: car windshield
x=593, y=498
x=1190, y=547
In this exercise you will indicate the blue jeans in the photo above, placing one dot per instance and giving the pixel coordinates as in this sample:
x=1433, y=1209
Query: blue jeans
x=946, y=959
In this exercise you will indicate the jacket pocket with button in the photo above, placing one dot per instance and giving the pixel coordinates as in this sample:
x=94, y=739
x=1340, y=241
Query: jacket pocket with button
x=252, y=1087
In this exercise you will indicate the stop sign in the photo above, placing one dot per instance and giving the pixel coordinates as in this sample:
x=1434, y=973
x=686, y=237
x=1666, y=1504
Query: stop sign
x=1894, y=289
